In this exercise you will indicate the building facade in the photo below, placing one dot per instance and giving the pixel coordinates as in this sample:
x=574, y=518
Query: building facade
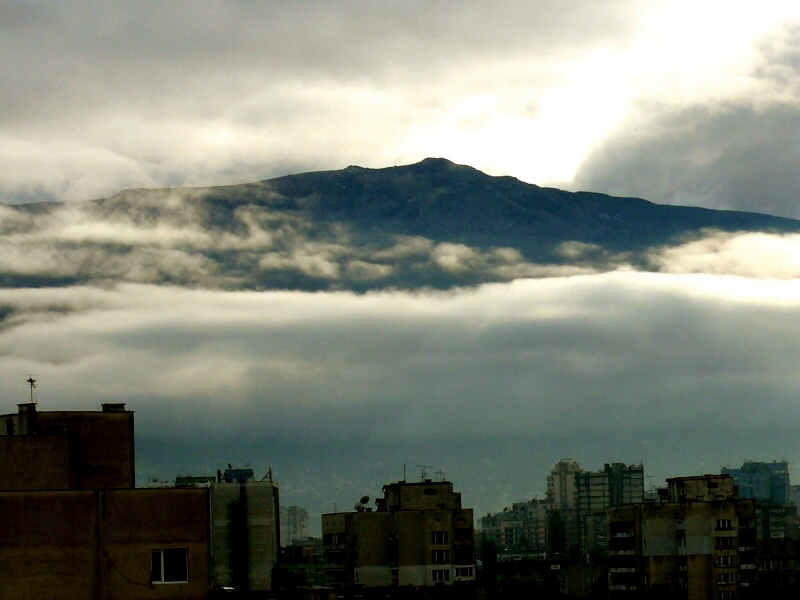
x=245, y=531
x=596, y=492
x=697, y=543
x=74, y=526
x=418, y=535
x=294, y=524
x=766, y=481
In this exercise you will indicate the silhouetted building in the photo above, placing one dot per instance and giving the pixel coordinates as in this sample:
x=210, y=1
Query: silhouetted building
x=74, y=527
x=419, y=535
x=67, y=450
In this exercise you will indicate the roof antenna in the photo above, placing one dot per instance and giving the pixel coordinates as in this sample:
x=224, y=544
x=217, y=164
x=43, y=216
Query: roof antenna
x=424, y=469
x=32, y=382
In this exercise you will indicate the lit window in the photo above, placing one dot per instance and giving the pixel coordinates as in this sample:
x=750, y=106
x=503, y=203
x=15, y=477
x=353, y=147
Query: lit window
x=170, y=566
x=441, y=575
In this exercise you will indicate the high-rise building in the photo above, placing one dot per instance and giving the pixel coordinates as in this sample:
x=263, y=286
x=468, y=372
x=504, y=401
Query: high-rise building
x=294, y=524
x=561, y=490
x=596, y=492
x=767, y=481
x=616, y=484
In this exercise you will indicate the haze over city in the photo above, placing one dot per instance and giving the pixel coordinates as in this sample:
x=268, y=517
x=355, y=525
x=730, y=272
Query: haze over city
x=685, y=364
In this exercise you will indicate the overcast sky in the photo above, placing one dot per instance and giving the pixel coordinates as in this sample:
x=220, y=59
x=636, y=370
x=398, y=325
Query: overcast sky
x=686, y=369
x=675, y=101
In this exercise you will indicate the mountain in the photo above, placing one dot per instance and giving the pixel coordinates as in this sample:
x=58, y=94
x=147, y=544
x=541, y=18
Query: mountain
x=431, y=224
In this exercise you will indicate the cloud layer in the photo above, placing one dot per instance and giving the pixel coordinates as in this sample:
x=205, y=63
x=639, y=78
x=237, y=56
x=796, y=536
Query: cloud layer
x=683, y=372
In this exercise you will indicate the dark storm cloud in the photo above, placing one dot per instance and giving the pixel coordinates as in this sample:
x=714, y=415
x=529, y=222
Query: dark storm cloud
x=346, y=388
x=738, y=153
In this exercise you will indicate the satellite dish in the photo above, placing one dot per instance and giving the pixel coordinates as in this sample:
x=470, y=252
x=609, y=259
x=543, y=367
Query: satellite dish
x=364, y=499
x=357, y=507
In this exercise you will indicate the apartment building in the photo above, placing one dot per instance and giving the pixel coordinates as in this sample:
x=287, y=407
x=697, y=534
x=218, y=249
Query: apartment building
x=596, y=492
x=419, y=535
x=519, y=530
x=74, y=526
x=698, y=542
x=765, y=481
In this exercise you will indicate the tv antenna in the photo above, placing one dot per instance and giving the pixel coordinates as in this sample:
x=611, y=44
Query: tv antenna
x=424, y=468
x=32, y=382
x=441, y=475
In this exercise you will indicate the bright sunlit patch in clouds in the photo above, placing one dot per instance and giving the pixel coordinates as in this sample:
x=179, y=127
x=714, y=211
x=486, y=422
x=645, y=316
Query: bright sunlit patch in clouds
x=752, y=255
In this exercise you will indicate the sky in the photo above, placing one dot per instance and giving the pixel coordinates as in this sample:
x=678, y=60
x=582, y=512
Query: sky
x=685, y=368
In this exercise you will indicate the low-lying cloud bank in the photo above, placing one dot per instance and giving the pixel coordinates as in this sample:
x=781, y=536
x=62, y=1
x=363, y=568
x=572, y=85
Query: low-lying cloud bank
x=493, y=384
x=179, y=238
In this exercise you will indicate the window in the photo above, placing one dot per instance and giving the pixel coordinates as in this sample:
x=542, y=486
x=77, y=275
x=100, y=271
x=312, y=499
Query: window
x=726, y=595
x=440, y=575
x=440, y=557
x=725, y=561
x=440, y=537
x=725, y=578
x=170, y=566
x=724, y=524
x=726, y=542
x=333, y=539
x=462, y=535
x=430, y=491
x=463, y=571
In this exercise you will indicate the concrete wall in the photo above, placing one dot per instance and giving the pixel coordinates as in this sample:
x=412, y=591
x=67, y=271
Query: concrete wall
x=33, y=462
x=69, y=545
x=97, y=447
x=102, y=446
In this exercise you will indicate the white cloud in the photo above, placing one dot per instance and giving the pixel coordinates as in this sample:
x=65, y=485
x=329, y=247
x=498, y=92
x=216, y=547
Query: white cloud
x=754, y=255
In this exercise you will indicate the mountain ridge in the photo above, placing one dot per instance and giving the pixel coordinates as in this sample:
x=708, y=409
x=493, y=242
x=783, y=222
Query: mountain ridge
x=429, y=224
